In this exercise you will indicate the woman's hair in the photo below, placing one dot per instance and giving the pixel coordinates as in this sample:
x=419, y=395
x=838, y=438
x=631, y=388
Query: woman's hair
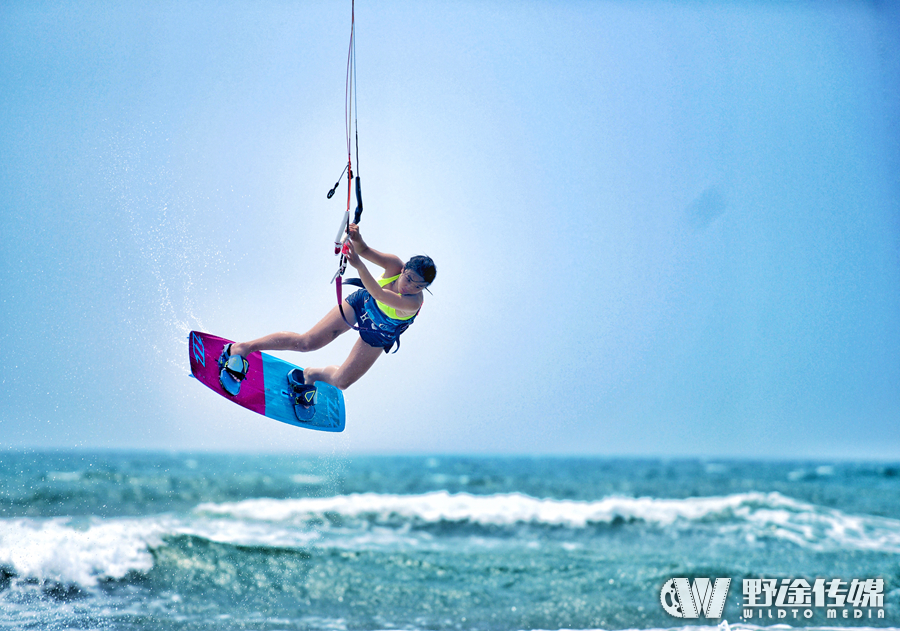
x=423, y=266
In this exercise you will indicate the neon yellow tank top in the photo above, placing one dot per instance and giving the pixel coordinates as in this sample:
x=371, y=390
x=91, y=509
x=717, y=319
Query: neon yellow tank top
x=390, y=311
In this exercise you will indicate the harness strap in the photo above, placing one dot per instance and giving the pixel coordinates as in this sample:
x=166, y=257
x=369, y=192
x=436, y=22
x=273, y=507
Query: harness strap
x=350, y=281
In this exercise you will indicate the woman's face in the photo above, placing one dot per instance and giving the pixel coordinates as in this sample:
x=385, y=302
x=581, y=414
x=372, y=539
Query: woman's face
x=410, y=282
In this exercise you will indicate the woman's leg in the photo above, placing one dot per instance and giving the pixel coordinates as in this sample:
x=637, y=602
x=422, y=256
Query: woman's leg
x=361, y=358
x=321, y=334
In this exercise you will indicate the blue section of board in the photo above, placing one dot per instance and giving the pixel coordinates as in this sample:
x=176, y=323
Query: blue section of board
x=328, y=413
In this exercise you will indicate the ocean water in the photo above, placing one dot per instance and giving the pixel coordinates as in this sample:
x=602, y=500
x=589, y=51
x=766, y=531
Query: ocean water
x=200, y=541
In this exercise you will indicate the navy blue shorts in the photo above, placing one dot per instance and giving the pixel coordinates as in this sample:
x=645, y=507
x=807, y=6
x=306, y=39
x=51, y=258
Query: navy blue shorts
x=375, y=328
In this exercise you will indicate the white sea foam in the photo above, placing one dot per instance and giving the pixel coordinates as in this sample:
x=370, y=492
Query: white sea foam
x=84, y=551
x=504, y=509
x=754, y=514
x=76, y=551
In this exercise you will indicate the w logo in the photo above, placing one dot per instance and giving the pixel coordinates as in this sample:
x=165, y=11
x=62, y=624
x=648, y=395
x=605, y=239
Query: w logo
x=682, y=599
x=198, y=349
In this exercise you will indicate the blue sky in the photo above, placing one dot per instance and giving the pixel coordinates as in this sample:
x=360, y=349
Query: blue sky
x=661, y=228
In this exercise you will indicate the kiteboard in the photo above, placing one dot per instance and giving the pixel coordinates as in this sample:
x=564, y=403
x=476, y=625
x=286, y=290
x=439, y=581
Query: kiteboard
x=265, y=390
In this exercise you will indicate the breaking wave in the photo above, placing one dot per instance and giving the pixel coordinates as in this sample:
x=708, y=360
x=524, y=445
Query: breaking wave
x=87, y=550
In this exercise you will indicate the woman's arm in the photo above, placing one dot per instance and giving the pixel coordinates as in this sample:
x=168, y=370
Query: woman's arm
x=391, y=263
x=406, y=304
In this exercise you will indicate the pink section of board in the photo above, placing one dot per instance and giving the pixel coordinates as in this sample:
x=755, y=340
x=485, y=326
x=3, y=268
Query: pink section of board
x=205, y=350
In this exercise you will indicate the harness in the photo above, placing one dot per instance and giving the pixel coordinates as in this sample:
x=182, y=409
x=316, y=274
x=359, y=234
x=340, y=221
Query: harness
x=400, y=329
